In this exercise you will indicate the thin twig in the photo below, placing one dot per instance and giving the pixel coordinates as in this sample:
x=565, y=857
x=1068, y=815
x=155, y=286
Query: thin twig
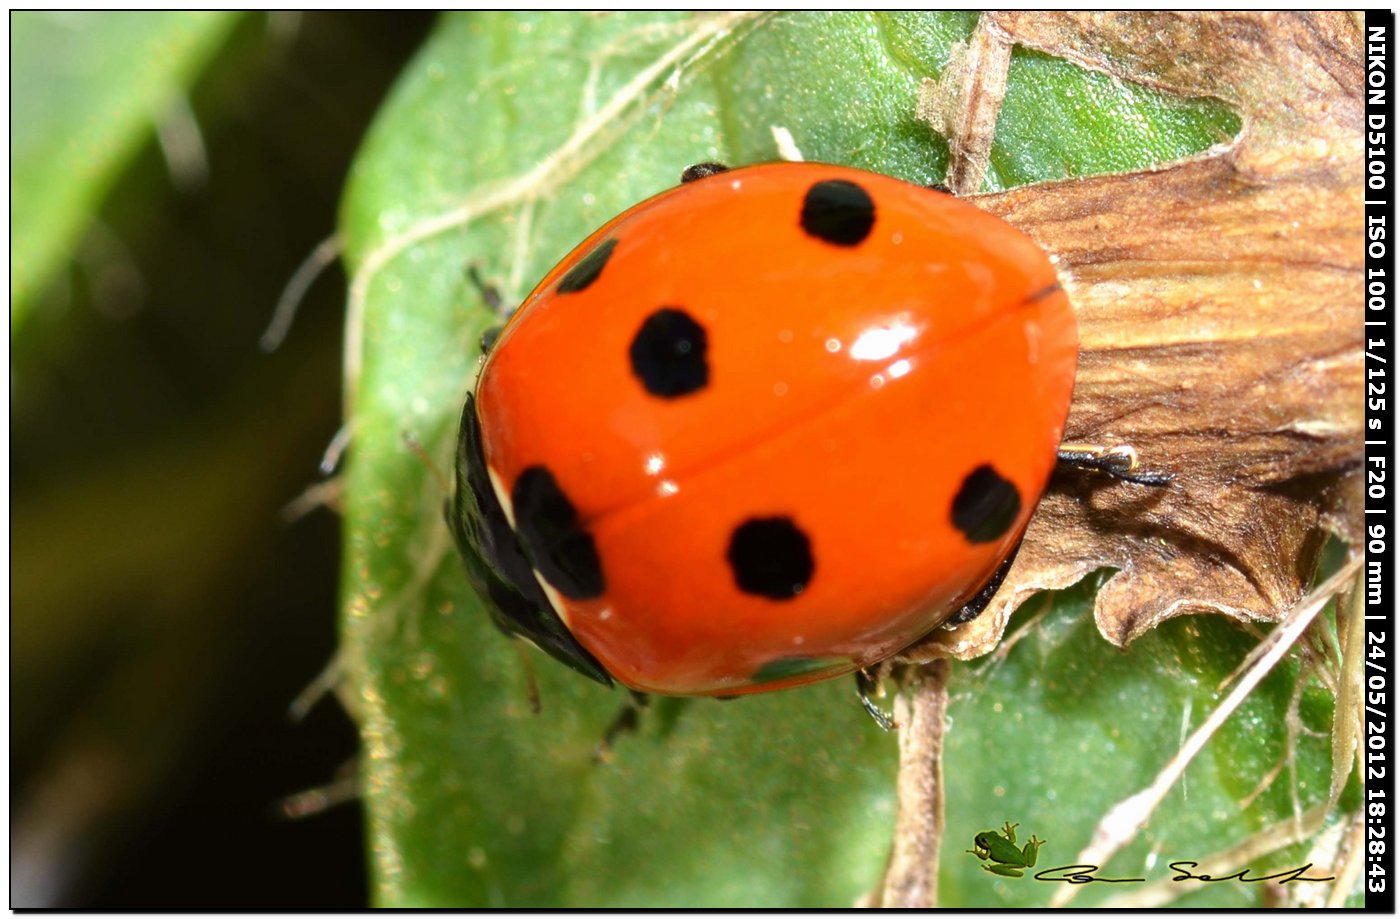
x=911, y=879
x=1121, y=824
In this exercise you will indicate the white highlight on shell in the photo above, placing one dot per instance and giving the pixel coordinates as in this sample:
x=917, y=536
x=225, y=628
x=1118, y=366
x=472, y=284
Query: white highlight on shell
x=880, y=342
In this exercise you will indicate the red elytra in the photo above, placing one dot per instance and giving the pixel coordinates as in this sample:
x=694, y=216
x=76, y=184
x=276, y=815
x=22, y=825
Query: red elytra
x=765, y=428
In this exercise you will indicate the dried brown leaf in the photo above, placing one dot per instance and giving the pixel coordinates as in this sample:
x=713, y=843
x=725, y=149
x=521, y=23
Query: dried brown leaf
x=1218, y=302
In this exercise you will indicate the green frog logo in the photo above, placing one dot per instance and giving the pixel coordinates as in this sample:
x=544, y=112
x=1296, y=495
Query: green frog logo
x=999, y=849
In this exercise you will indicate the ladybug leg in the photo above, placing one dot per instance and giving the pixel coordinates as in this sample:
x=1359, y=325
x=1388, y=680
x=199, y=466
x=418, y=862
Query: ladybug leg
x=491, y=296
x=865, y=686
x=626, y=720
x=701, y=171
x=1120, y=461
x=532, y=686
x=939, y=186
x=488, y=339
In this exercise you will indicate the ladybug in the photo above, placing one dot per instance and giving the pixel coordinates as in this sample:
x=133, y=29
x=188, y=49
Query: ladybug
x=769, y=427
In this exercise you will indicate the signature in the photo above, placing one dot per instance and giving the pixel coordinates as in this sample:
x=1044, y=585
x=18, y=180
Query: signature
x=1085, y=874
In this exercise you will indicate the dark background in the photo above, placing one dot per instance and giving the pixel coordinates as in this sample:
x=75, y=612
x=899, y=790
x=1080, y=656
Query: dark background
x=164, y=610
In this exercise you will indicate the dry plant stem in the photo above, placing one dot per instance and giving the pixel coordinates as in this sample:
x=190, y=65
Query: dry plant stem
x=911, y=878
x=1348, y=717
x=1293, y=723
x=965, y=103
x=1349, y=862
x=1121, y=824
x=1328, y=853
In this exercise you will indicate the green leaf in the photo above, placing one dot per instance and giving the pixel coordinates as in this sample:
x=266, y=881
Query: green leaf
x=87, y=90
x=509, y=140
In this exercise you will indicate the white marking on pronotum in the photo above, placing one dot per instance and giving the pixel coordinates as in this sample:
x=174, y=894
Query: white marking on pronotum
x=502, y=496
x=556, y=600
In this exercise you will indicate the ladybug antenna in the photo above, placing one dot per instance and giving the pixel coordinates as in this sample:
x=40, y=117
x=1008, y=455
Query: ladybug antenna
x=490, y=293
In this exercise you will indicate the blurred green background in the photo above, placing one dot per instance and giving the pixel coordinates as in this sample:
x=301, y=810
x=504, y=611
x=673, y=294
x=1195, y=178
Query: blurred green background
x=164, y=613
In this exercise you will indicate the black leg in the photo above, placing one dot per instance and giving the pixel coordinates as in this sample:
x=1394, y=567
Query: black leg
x=491, y=296
x=625, y=721
x=865, y=685
x=1120, y=462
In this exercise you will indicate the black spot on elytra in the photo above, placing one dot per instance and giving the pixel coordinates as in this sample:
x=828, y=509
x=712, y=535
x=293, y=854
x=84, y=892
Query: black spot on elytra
x=587, y=269
x=986, y=505
x=561, y=550
x=770, y=557
x=668, y=354
x=838, y=212
x=497, y=564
